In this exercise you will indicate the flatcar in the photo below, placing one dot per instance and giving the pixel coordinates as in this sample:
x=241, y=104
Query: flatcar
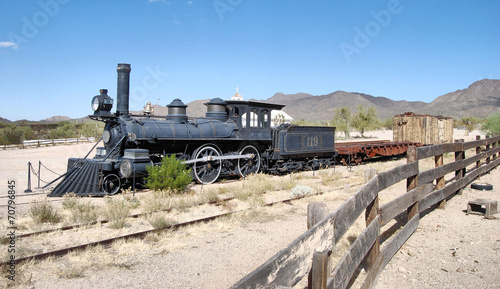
x=234, y=138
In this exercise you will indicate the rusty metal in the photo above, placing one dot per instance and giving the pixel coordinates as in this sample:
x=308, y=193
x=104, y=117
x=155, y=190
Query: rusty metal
x=359, y=151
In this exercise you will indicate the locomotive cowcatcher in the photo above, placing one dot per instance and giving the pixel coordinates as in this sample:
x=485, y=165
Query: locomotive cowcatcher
x=234, y=138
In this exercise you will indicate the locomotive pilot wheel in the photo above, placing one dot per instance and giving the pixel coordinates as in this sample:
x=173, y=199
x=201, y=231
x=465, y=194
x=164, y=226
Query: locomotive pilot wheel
x=207, y=171
x=251, y=165
x=111, y=184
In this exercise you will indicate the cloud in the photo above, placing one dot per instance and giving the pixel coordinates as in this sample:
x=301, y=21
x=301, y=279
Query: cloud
x=190, y=2
x=8, y=44
x=165, y=1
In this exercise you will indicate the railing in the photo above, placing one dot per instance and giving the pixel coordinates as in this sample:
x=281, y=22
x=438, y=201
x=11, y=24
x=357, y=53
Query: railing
x=310, y=253
x=48, y=142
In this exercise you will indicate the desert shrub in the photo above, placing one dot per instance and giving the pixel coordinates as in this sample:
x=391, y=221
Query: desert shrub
x=387, y=123
x=44, y=212
x=209, y=196
x=15, y=134
x=300, y=191
x=159, y=221
x=116, y=212
x=492, y=124
x=171, y=176
x=84, y=213
x=365, y=119
x=65, y=129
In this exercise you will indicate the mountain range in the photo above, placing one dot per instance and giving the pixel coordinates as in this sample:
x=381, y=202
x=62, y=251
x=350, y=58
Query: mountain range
x=480, y=99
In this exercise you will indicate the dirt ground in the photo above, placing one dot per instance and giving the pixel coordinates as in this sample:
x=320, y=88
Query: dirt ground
x=450, y=249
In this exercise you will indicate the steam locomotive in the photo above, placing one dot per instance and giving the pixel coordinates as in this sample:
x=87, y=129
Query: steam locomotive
x=234, y=138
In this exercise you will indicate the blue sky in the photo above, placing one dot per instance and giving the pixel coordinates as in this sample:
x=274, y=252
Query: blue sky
x=55, y=55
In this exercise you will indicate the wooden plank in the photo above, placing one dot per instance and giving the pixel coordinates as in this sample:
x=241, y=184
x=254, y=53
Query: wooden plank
x=290, y=265
x=441, y=171
x=372, y=212
x=355, y=206
x=474, y=144
x=492, y=140
x=397, y=174
x=435, y=150
x=492, y=151
x=452, y=187
x=393, y=208
x=441, y=194
x=354, y=255
x=473, y=159
x=390, y=250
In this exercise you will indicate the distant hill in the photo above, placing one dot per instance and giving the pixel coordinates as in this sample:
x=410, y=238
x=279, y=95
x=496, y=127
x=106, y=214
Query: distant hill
x=55, y=119
x=480, y=99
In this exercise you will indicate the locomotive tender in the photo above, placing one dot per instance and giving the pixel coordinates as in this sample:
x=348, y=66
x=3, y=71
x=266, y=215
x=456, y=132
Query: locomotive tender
x=235, y=138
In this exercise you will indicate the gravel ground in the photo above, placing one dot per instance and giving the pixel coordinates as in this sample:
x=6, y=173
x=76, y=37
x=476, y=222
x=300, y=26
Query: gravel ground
x=450, y=249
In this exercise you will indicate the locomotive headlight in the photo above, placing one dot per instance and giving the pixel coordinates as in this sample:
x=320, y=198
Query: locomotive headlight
x=95, y=103
x=102, y=103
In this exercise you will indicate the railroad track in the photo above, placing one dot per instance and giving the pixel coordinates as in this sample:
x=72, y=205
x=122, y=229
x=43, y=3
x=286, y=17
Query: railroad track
x=141, y=234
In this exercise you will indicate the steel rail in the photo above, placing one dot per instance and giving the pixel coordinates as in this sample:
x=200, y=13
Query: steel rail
x=142, y=234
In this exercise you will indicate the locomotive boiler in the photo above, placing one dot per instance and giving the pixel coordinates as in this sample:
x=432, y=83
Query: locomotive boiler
x=234, y=138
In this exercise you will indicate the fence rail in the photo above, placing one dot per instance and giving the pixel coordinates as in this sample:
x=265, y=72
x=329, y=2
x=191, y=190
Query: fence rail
x=48, y=142
x=309, y=252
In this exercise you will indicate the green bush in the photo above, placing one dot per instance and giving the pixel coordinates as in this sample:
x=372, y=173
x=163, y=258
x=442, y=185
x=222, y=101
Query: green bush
x=492, y=124
x=171, y=176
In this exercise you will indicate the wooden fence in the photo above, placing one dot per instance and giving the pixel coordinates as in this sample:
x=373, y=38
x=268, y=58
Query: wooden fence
x=309, y=253
x=47, y=142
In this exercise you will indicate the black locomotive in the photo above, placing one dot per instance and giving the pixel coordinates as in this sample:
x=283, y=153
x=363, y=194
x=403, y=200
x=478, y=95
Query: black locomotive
x=235, y=138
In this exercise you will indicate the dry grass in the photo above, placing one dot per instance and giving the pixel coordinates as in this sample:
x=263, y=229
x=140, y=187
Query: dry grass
x=116, y=212
x=160, y=221
x=80, y=212
x=44, y=212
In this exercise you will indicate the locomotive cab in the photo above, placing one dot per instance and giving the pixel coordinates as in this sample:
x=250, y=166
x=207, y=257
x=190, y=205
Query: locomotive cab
x=252, y=118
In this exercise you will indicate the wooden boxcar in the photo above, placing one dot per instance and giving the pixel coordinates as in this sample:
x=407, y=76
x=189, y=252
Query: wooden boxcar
x=426, y=129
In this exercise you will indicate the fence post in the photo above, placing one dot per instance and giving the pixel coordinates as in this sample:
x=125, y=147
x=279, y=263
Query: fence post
x=494, y=145
x=495, y=156
x=28, y=190
x=372, y=210
x=319, y=270
x=459, y=156
x=318, y=276
x=478, y=151
x=438, y=161
x=487, y=149
x=411, y=182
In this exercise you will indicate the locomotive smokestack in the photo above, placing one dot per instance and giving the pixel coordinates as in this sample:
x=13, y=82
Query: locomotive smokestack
x=122, y=95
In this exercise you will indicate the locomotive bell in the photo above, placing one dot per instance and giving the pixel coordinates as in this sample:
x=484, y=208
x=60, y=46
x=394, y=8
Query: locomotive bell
x=216, y=109
x=102, y=103
x=177, y=111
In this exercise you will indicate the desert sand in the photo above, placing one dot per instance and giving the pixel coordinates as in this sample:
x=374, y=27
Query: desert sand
x=449, y=249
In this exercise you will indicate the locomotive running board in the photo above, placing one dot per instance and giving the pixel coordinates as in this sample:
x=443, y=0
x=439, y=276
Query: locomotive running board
x=217, y=158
